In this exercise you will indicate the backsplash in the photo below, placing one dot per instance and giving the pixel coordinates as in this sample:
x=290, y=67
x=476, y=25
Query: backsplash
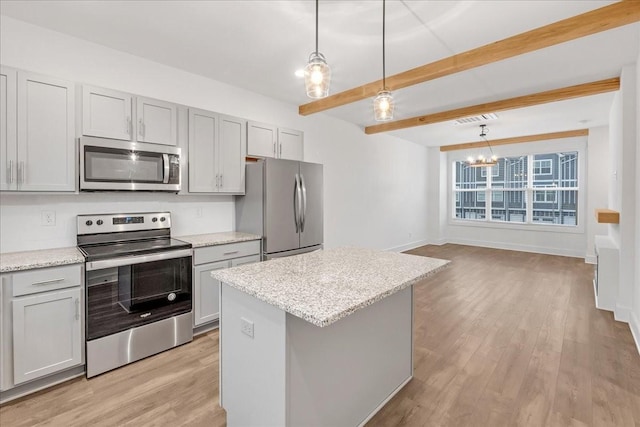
x=25, y=218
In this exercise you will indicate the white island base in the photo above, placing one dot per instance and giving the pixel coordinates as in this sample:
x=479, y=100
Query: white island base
x=294, y=373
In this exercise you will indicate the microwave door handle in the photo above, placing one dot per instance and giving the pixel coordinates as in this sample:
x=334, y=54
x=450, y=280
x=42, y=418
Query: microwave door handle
x=165, y=160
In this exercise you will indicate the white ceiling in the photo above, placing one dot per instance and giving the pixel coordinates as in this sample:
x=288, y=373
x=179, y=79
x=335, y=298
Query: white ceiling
x=258, y=45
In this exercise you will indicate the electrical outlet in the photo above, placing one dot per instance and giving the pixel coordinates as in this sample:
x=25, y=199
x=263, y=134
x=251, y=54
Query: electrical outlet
x=246, y=326
x=48, y=218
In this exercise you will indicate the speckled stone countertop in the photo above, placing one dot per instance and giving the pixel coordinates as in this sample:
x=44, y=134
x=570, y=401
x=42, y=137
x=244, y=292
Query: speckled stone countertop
x=27, y=260
x=202, y=240
x=324, y=286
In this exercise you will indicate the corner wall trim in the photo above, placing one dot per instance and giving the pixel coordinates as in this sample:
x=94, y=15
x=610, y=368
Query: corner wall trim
x=622, y=313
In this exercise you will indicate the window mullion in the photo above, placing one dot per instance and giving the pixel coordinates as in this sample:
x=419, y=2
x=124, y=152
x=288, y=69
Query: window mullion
x=529, y=190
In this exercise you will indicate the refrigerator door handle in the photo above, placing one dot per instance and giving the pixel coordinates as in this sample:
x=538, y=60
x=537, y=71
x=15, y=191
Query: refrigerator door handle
x=304, y=203
x=296, y=202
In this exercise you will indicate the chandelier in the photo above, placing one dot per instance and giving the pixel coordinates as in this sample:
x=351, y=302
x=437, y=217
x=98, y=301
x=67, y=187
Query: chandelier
x=482, y=161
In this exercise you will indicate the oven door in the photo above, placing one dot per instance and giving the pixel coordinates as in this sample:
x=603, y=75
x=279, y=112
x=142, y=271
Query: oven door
x=121, y=165
x=123, y=293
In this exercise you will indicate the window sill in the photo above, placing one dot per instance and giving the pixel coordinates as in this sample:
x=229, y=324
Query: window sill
x=546, y=228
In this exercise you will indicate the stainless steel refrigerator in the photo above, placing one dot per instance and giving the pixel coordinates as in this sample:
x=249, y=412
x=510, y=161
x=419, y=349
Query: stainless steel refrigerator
x=283, y=203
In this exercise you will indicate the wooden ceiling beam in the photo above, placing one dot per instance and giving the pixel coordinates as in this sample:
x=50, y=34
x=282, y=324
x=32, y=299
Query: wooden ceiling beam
x=586, y=89
x=516, y=140
x=598, y=20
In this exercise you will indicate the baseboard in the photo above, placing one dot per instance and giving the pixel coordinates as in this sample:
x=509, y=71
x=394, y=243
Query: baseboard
x=517, y=247
x=622, y=313
x=634, y=325
x=408, y=246
x=438, y=242
x=590, y=259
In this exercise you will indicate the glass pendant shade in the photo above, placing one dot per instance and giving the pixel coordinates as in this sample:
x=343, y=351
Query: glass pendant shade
x=383, y=106
x=317, y=76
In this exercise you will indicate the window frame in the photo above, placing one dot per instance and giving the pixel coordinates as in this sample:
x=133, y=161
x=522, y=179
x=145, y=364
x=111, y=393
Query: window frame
x=574, y=145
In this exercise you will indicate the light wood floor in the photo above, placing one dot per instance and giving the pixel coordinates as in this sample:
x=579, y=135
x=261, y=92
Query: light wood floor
x=501, y=338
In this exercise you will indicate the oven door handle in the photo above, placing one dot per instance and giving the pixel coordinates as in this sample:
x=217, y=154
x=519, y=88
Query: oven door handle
x=119, y=262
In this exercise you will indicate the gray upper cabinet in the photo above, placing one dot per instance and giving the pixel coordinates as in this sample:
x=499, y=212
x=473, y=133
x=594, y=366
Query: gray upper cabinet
x=108, y=113
x=38, y=144
x=217, y=150
x=8, y=133
x=265, y=140
x=290, y=144
x=156, y=121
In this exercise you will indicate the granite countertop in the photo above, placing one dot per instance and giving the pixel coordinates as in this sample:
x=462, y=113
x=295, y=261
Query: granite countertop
x=202, y=240
x=324, y=286
x=27, y=260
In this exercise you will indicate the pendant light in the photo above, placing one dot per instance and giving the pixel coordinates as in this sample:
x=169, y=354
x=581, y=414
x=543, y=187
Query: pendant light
x=383, y=103
x=317, y=74
x=481, y=161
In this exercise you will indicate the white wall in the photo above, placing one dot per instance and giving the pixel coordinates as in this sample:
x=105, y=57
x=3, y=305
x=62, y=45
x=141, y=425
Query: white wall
x=598, y=173
x=623, y=190
x=375, y=186
x=568, y=241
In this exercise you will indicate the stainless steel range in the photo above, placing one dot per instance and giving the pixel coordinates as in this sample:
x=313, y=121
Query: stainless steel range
x=138, y=288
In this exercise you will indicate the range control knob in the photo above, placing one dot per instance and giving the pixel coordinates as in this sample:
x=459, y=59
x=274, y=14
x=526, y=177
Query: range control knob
x=154, y=219
x=99, y=222
x=171, y=296
x=162, y=219
x=89, y=223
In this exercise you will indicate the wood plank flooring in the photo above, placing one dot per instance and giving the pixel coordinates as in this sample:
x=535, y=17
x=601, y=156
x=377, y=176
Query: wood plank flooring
x=501, y=338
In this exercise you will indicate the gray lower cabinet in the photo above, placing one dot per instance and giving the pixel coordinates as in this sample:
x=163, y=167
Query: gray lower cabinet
x=42, y=320
x=206, y=303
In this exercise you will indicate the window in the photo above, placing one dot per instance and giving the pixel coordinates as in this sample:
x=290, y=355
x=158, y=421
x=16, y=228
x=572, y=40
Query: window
x=531, y=189
x=495, y=171
x=542, y=166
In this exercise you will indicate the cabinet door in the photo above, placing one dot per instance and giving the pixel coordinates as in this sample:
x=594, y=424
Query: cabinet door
x=206, y=297
x=106, y=113
x=46, y=334
x=46, y=142
x=203, y=157
x=232, y=145
x=8, y=121
x=245, y=260
x=261, y=140
x=290, y=144
x=157, y=121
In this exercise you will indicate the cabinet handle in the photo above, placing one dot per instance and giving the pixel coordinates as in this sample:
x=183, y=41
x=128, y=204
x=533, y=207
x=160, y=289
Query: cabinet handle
x=221, y=181
x=129, y=129
x=10, y=172
x=230, y=253
x=48, y=282
x=140, y=128
x=217, y=181
x=77, y=308
x=280, y=150
x=275, y=153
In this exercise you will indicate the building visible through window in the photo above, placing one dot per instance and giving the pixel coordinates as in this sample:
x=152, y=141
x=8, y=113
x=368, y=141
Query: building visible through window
x=540, y=188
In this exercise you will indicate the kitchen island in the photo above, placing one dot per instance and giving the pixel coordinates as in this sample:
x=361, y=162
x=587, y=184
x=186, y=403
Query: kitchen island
x=322, y=339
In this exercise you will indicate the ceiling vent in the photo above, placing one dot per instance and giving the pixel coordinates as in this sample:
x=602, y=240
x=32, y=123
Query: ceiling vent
x=476, y=119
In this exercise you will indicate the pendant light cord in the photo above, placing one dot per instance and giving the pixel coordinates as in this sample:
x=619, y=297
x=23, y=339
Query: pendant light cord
x=483, y=134
x=317, y=26
x=384, y=77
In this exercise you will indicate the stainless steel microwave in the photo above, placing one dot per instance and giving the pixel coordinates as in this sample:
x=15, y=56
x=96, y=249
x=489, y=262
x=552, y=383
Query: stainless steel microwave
x=111, y=165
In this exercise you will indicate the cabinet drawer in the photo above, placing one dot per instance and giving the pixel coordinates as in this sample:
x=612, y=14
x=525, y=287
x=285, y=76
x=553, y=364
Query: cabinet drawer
x=46, y=279
x=222, y=252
